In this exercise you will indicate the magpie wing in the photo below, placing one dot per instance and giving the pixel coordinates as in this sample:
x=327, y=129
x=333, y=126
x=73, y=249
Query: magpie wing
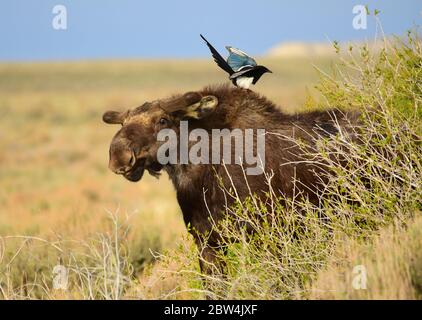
x=218, y=58
x=238, y=59
x=243, y=71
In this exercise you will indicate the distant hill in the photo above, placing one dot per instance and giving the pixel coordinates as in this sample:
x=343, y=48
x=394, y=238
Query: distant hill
x=303, y=49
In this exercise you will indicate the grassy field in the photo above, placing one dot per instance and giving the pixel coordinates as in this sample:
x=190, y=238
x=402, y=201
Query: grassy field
x=60, y=205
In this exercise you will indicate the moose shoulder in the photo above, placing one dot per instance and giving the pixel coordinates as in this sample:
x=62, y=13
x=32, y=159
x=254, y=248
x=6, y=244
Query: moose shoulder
x=136, y=148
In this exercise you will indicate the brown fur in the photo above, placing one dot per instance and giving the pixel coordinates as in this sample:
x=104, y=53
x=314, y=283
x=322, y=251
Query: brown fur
x=198, y=191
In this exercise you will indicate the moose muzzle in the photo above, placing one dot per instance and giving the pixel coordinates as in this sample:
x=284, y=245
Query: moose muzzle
x=123, y=161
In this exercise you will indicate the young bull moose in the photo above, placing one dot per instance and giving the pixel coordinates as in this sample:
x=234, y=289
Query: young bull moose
x=135, y=148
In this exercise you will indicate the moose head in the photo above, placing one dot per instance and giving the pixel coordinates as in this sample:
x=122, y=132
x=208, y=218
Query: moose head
x=134, y=147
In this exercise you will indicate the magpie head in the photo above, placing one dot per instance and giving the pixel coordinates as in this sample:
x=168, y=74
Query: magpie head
x=134, y=147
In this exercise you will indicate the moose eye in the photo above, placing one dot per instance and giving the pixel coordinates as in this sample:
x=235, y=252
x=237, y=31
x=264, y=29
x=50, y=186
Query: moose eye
x=163, y=121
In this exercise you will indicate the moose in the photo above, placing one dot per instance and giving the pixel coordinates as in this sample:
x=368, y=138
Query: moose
x=135, y=148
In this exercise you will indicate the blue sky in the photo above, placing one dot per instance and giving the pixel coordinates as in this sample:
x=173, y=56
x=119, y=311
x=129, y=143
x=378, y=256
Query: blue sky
x=155, y=29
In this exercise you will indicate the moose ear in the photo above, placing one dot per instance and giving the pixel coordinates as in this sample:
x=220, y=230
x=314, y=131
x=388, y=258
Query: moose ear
x=200, y=109
x=114, y=117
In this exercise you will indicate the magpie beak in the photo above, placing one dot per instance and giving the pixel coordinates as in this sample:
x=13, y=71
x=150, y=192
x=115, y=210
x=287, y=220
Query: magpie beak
x=242, y=69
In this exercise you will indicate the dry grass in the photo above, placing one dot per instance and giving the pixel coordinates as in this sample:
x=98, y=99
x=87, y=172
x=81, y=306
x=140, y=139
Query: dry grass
x=393, y=263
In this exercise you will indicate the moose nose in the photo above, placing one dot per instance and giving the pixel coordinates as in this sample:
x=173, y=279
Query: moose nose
x=122, y=159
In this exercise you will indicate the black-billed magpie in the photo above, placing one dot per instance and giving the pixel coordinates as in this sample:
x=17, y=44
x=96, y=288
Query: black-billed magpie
x=242, y=69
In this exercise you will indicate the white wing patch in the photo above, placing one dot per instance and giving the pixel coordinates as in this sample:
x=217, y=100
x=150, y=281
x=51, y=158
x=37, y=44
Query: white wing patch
x=237, y=51
x=243, y=67
x=244, y=82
